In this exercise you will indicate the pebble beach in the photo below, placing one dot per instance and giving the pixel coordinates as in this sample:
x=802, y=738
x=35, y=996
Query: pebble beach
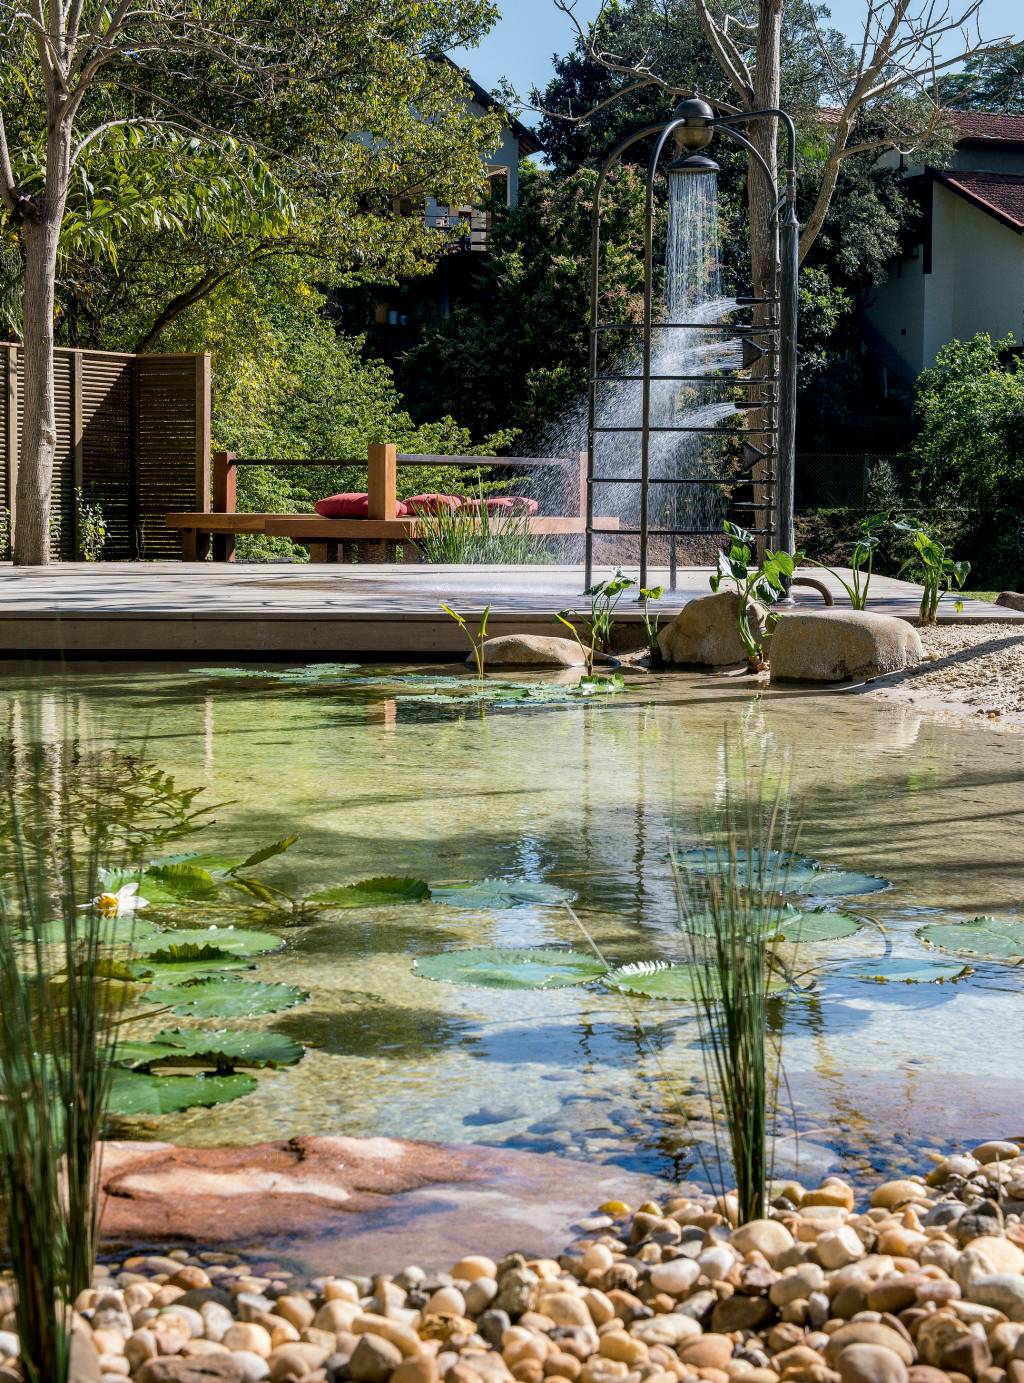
x=914, y=1280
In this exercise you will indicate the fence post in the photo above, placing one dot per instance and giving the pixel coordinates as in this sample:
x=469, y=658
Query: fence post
x=382, y=480
x=11, y=352
x=202, y=410
x=224, y=487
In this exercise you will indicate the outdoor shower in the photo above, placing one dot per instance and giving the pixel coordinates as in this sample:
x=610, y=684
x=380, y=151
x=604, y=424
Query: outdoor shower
x=698, y=355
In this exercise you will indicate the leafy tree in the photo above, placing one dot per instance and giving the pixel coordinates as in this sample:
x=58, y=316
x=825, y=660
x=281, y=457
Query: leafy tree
x=993, y=82
x=517, y=354
x=970, y=449
x=286, y=385
x=342, y=107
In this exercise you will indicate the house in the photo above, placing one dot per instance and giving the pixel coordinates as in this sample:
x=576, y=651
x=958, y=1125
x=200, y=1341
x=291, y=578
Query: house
x=964, y=271
x=395, y=316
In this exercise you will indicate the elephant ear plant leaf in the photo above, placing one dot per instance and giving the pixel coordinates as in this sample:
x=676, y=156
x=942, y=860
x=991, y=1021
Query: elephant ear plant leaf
x=751, y=582
x=478, y=639
x=937, y=570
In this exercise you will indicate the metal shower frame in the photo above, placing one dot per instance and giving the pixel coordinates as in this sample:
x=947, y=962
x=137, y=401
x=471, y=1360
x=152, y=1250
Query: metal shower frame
x=779, y=333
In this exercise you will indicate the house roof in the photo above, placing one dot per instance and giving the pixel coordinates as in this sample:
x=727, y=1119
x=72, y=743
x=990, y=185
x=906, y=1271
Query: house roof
x=528, y=141
x=980, y=125
x=998, y=194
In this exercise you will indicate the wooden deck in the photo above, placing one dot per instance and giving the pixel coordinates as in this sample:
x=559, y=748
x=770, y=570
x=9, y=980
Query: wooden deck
x=178, y=609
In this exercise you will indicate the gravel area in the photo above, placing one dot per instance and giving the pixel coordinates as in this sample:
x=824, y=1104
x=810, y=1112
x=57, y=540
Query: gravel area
x=924, y=1284
x=975, y=669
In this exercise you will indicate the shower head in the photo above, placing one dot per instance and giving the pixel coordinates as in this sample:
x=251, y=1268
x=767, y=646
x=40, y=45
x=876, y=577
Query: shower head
x=697, y=125
x=692, y=163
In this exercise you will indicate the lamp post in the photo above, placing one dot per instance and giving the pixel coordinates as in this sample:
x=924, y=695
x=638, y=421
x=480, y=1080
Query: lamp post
x=692, y=128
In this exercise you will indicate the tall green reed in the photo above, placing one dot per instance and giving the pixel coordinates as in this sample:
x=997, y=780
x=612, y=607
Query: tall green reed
x=64, y=817
x=730, y=909
x=468, y=536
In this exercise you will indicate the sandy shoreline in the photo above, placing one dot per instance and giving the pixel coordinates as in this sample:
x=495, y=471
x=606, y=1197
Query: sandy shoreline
x=969, y=669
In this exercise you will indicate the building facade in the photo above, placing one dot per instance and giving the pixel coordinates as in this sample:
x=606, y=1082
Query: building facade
x=964, y=271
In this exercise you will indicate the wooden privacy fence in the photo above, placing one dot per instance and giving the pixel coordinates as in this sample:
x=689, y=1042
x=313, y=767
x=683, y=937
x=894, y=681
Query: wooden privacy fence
x=133, y=434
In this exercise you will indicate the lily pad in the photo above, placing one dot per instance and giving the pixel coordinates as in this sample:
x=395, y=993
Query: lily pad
x=787, y=873
x=539, y=968
x=768, y=922
x=372, y=893
x=820, y=925
x=597, y=685
x=313, y=673
x=233, y=941
x=659, y=979
x=187, y=962
x=904, y=970
x=987, y=938
x=178, y=883
x=216, y=997
x=499, y=893
x=133, y=1093
x=221, y=1051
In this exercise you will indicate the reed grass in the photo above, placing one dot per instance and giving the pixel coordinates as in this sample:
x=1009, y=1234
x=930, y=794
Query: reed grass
x=60, y=1008
x=729, y=911
x=467, y=537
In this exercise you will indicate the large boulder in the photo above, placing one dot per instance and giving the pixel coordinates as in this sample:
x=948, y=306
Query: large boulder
x=530, y=650
x=1010, y=600
x=841, y=646
x=706, y=631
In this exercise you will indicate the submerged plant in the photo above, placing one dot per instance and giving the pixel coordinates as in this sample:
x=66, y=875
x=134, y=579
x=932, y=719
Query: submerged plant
x=752, y=582
x=476, y=639
x=862, y=560
x=730, y=911
x=937, y=570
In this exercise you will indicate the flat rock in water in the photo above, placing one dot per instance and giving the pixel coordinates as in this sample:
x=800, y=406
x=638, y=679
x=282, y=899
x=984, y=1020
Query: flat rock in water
x=706, y=631
x=841, y=646
x=530, y=650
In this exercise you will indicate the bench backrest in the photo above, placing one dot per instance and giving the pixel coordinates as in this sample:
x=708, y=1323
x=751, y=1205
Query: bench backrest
x=383, y=461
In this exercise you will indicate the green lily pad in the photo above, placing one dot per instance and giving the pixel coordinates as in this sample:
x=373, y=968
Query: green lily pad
x=538, y=968
x=821, y=925
x=134, y=1094
x=596, y=685
x=188, y=962
x=311, y=674
x=904, y=970
x=767, y=922
x=658, y=979
x=216, y=997
x=111, y=931
x=499, y=893
x=233, y=941
x=987, y=938
x=178, y=883
x=786, y=872
x=223, y=1050
x=372, y=893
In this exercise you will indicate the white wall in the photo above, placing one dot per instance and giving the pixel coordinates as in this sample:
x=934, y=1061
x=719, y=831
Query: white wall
x=976, y=284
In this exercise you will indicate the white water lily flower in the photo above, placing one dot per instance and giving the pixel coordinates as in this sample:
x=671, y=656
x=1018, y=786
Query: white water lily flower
x=119, y=902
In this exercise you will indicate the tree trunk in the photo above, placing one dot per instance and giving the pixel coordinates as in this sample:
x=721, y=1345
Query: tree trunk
x=40, y=234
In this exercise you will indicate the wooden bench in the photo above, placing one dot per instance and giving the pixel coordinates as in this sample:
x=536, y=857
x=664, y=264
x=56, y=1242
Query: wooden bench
x=218, y=527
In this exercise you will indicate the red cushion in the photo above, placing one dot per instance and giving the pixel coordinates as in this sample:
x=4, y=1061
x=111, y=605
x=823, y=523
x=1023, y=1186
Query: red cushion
x=353, y=505
x=430, y=504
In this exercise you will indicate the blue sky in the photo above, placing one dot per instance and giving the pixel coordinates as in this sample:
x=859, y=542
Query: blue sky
x=530, y=31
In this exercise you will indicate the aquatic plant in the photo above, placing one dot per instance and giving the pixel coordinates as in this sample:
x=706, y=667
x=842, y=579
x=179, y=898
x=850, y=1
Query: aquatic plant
x=935, y=568
x=729, y=913
x=476, y=534
x=478, y=639
x=61, y=1003
x=750, y=581
x=648, y=595
x=862, y=559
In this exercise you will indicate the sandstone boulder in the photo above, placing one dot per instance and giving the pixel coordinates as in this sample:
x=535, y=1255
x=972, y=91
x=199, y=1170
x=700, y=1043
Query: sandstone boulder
x=706, y=631
x=841, y=646
x=530, y=650
x=1010, y=600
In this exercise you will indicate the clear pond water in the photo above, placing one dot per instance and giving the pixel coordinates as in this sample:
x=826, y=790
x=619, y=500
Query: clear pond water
x=587, y=797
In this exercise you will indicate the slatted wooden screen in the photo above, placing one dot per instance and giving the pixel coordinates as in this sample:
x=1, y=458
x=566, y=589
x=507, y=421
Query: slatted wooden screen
x=133, y=434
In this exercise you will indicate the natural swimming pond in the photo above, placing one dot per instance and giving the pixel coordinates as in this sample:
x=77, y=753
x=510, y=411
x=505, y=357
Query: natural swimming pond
x=381, y=771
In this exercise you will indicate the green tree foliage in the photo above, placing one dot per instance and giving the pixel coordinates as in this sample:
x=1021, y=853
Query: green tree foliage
x=286, y=385
x=517, y=355
x=971, y=449
x=992, y=82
